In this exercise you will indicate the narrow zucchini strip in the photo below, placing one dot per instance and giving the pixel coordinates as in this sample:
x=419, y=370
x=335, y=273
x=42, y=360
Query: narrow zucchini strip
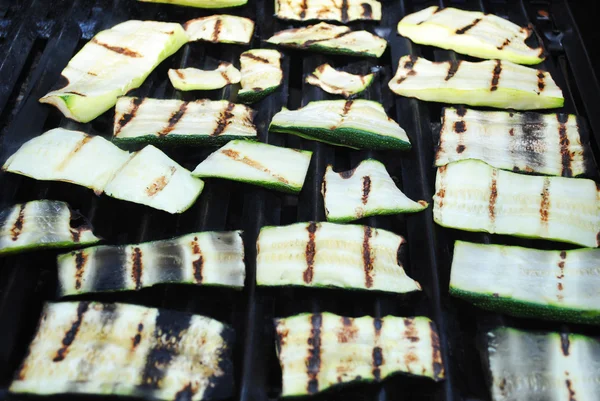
x=471, y=32
x=329, y=10
x=257, y=163
x=493, y=83
x=220, y=29
x=127, y=350
x=367, y=190
x=318, y=351
x=339, y=82
x=357, y=124
x=111, y=64
x=201, y=3
x=471, y=195
x=261, y=74
x=531, y=142
x=314, y=254
x=189, y=79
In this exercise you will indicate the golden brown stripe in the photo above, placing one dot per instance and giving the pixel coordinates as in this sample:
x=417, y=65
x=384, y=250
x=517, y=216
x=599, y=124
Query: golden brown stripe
x=17, y=228
x=217, y=30
x=348, y=331
x=545, y=202
x=493, y=196
x=310, y=253
x=367, y=257
x=71, y=154
x=117, y=49
x=252, y=163
x=366, y=189
x=256, y=58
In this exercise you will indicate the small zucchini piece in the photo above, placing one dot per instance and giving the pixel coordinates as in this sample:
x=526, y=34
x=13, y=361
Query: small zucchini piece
x=328, y=10
x=189, y=79
x=220, y=29
x=261, y=74
x=339, y=82
x=201, y=3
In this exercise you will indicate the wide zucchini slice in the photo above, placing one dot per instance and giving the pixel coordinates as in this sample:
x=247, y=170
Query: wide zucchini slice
x=258, y=163
x=471, y=32
x=493, y=83
x=201, y=3
x=535, y=143
x=473, y=196
x=200, y=122
x=312, y=254
x=318, y=351
x=339, y=82
x=357, y=124
x=261, y=74
x=189, y=79
x=220, y=29
x=111, y=64
x=328, y=10
x=127, y=350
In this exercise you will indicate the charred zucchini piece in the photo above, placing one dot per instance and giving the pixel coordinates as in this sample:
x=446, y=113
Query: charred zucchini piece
x=338, y=82
x=328, y=10
x=111, y=64
x=220, y=29
x=127, y=350
x=201, y=3
x=189, y=79
x=261, y=74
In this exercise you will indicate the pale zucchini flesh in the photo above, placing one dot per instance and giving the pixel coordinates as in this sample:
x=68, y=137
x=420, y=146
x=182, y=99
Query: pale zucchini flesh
x=220, y=29
x=201, y=3
x=261, y=74
x=328, y=10
x=188, y=79
x=339, y=82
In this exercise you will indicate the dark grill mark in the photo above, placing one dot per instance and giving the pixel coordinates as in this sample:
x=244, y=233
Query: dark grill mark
x=493, y=196
x=545, y=203
x=348, y=331
x=511, y=132
x=367, y=11
x=377, y=362
x=541, y=84
x=504, y=44
x=438, y=366
x=174, y=119
x=565, y=343
x=303, y=7
x=366, y=189
x=461, y=111
x=310, y=253
x=223, y=120
x=198, y=264
x=17, y=228
x=571, y=391
x=282, y=334
x=561, y=276
x=452, y=69
x=76, y=233
x=137, y=268
x=565, y=154
x=344, y=11
x=313, y=363
x=117, y=49
x=460, y=148
x=255, y=58
x=72, y=333
x=127, y=117
x=252, y=163
x=410, y=331
x=465, y=28
x=496, y=75
x=347, y=107
x=80, y=259
x=217, y=30
x=138, y=337
x=459, y=127
x=408, y=65
x=367, y=258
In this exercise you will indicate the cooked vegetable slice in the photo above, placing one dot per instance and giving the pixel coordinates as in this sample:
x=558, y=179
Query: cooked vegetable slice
x=494, y=83
x=261, y=74
x=329, y=10
x=111, y=64
x=201, y=3
x=471, y=195
x=331, y=39
x=315, y=254
x=471, y=32
x=189, y=79
x=357, y=124
x=339, y=82
x=220, y=29
x=536, y=143
x=127, y=350
x=200, y=122
x=317, y=351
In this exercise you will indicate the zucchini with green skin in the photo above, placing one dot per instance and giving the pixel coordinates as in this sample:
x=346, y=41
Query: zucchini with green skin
x=339, y=82
x=220, y=29
x=493, y=83
x=188, y=79
x=328, y=10
x=312, y=254
x=201, y=3
x=318, y=351
x=357, y=124
x=127, y=350
x=114, y=62
x=473, y=196
x=261, y=74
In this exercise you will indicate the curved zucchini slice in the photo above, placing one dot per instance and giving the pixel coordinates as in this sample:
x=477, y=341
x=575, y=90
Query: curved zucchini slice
x=201, y=3
x=328, y=10
x=111, y=64
x=493, y=83
x=315, y=254
x=269, y=166
x=367, y=190
x=127, y=350
x=535, y=143
x=339, y=82
x=200, y=122
x=471, y=195
x=220, y=29
x=357, y=124
x=331, y=39
x=471, y=32
x=261, y=74
x=318, y=351
x=189, y=79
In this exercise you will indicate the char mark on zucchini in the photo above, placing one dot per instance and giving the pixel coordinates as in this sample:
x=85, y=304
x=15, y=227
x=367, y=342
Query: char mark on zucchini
x=135, y=341
x=566, y=158
x=541, y=77
x=466, y=28
x=504, y=44
x=411, y=332
x=313, y=363
x=80, y=261
x=348, y=332
x=252, y=163
x=366, y=189
x=64, y=163
x=496, y=75
x=117, y=49
x=17, y=227
x=545, y=201
x=453, y=66
x=459, y=127
x=377, y=357
x=367, y=257
x=127, y=117
x=224, y=120
x=310, y=253
x=438, y=365
x=70, y=335
x=137, y=268
x=254, y=57
x=174, y=119
x=160, y=183
x=217, y=30
x=303, y=8
x=493, y=196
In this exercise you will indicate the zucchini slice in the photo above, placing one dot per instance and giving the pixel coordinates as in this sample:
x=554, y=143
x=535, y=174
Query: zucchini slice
x=357, y=124
x=41, y=224
x=367, y=190
x=331, y=39
x=220, y=29
x=189, y=79
x=318, y=351
x=323, y=254
x=535, y=143
x=328, y=10
x=555, y=285
x=471, y=195
x=200, y=122
x=493, y=83
x=471, y=32
x=127, y=350
x=269, y=166
x=114, y=62
x=261, y=74
x=201, y=3
x=339, y=82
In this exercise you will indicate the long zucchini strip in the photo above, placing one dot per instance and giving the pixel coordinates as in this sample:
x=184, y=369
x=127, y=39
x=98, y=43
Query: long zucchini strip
x=471, y=195
x=261, y=74
x=111, y=64
x=315, y=254
x=318, y=351
x=535, y=143
x=339, y=82
x=201, y=3
x=220, y=29
x=493, y=83
x=328, y=10
x=127, y=350
x=188, y=79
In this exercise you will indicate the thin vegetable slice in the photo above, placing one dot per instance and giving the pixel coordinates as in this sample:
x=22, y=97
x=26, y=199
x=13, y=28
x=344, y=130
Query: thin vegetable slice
x=471, y=195
x=329, y=10
x=261, y=74
x=318, y=351
x=357, y=124
x=220, y=29
x=111, y=64
x=201, y=3
x=127, y=350
x=493, y=83
x=315, y=254
x=535, y=143
x=339, y=82
x=188, y=79
x=471, y=32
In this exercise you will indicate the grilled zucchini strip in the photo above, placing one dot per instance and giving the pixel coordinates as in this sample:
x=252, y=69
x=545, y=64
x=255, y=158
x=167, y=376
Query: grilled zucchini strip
x=471, y=32
x=111, y=64
x=261, y=74
x=315, y=254
x=257, y=163
x=535, y=143
x=339, y=82
x=318, y=351
x=328, y=10
x=127, y=350
x=471, y=195
x=493, y=83
x=220, y=29
x=357, y=124
x=201, y=3
x=189, y=79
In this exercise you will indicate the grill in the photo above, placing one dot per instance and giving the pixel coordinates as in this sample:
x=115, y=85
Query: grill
x=38, y=37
